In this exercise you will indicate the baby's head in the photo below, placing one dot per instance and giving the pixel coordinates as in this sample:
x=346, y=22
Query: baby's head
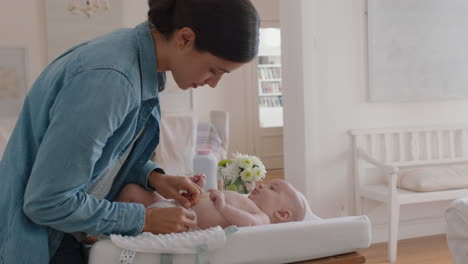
x=280, y=201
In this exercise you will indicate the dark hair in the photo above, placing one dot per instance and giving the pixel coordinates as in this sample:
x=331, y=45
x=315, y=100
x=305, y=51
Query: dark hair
x=226, y=28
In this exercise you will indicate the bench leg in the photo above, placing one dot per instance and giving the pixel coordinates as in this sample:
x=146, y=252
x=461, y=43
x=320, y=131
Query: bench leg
x=394, y=210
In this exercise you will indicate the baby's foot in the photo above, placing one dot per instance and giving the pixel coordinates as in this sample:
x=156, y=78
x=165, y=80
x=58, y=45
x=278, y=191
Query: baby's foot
x=199, y=179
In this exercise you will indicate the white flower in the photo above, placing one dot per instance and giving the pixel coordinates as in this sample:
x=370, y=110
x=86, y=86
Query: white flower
x=258, y=174
x=247, y=175
x=256, y=161
x=246, y=163
x=243, y=161
x=238, y=159
x=231, y=171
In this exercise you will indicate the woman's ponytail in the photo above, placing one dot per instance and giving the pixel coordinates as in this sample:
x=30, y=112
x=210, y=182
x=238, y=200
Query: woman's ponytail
x=161, y=15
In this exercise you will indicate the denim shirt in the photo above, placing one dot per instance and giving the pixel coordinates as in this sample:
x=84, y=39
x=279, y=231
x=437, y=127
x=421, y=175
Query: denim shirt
x=80, y=116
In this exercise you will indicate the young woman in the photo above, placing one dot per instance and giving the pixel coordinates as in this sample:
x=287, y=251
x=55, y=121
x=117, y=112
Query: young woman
x=91, y=122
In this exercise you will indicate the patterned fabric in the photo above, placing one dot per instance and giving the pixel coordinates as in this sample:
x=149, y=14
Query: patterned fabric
x=127, y=256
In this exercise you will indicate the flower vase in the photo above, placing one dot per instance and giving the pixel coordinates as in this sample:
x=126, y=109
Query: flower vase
x=239, y=186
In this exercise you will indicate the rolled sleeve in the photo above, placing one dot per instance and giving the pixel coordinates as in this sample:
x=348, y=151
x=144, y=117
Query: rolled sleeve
x=130, y=213
x=142, y=174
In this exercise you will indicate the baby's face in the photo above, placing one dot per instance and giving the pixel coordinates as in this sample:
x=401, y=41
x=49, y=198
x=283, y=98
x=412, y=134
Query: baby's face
x=276, y=195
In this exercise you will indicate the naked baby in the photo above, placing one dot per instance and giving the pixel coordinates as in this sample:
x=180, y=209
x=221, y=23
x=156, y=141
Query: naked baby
x=274, y=202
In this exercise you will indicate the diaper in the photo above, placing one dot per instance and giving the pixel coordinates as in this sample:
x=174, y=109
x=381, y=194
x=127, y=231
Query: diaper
x=172, y=203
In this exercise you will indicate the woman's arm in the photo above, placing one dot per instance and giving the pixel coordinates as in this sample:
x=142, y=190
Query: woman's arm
x=90, y=107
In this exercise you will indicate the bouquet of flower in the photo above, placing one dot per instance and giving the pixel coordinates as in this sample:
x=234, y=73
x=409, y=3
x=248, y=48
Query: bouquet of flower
x=240, y=173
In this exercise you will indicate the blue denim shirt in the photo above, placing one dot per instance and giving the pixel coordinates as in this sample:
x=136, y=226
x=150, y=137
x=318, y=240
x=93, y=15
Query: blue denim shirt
x=80, y=116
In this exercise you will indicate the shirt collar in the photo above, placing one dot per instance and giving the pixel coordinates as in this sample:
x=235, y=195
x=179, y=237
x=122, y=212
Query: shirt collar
x=152, y=81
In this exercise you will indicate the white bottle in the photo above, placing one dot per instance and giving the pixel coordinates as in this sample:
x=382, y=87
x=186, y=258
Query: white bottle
x=205, y=162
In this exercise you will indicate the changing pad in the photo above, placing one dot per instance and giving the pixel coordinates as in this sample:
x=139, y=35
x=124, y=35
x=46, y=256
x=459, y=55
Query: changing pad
x=277, y=243
x=174, y=243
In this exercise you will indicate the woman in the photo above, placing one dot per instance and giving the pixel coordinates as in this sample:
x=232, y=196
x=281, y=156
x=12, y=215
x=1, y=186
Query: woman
x=91, y=122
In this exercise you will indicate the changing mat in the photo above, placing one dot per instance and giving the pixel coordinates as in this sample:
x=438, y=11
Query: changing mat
x=175, y=243
x=277, y=243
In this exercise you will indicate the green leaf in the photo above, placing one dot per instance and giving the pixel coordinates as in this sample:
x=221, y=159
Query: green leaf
x=224, y=162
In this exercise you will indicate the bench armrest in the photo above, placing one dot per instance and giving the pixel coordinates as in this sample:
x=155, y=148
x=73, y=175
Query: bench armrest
x=388, y=169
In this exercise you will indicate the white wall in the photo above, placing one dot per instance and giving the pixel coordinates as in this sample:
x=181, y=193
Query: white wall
x=22, y=24
x=328, y=44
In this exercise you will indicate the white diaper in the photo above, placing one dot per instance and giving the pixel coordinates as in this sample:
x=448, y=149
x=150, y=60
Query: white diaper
x=165, y=204
x=170, y=203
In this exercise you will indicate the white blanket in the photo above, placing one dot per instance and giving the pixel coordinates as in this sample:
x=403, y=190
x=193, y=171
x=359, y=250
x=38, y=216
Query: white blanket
x=278, y=243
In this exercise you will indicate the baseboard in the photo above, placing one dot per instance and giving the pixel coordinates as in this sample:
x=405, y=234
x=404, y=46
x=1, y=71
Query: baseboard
x=410, y=228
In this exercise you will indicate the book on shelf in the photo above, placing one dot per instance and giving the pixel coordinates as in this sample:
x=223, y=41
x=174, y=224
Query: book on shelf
x=267, y=73
x=270, y=88
x=271, y=101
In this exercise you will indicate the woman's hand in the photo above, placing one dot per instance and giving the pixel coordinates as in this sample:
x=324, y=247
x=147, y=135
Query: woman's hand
x=168, y=220
x=180, y=188
x=218, y=199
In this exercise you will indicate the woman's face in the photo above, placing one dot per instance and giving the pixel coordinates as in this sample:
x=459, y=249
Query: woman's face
x=192, y=68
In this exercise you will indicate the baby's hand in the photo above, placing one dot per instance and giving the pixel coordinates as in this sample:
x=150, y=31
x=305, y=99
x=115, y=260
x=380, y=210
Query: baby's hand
x=199, y=179
x=218, y=198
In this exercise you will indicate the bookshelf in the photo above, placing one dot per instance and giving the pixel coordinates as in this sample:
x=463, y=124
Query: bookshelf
x=270, y=91
x=269, y=85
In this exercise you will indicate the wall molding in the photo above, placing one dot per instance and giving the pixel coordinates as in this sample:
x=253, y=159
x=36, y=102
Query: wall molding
x=410, y=228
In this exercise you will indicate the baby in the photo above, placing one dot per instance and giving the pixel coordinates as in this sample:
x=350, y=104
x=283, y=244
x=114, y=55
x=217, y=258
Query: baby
x=274, y=202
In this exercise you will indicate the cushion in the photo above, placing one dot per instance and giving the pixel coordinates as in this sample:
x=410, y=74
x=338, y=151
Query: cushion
x=177, y=144
x=434, y=178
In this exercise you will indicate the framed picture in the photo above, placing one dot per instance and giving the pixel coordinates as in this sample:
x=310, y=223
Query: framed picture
x=417, y=50
x=12, y=80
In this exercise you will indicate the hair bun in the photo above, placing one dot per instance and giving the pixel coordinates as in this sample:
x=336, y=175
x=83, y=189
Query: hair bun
x=161, y=14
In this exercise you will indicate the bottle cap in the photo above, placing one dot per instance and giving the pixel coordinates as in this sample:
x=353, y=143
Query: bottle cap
x=204, y=151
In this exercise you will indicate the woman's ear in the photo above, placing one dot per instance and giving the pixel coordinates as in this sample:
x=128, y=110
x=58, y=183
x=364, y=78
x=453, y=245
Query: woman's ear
x=282, y=215
x=185, y=38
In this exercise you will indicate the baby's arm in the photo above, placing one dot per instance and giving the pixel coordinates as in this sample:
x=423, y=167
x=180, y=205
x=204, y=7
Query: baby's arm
x=236, y=216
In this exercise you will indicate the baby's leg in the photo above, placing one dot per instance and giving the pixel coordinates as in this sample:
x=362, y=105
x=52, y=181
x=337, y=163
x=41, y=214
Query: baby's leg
x=134, y=193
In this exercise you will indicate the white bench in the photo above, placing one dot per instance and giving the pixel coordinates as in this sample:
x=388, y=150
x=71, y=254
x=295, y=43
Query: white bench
x=390, y=150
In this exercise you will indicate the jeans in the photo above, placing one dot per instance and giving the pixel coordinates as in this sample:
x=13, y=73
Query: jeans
x=70, y=251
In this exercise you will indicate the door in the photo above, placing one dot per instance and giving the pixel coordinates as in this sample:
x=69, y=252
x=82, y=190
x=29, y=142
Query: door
x=268, y=100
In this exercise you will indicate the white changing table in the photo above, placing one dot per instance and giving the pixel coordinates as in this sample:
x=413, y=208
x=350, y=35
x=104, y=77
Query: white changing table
x=278, y=243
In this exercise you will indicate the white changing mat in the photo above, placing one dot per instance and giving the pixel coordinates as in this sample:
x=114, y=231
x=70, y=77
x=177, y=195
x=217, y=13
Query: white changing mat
x=175, y=243
x=278, y=243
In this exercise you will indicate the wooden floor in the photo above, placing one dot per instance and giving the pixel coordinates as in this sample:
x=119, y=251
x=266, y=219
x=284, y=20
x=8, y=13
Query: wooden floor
x=422, y=250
